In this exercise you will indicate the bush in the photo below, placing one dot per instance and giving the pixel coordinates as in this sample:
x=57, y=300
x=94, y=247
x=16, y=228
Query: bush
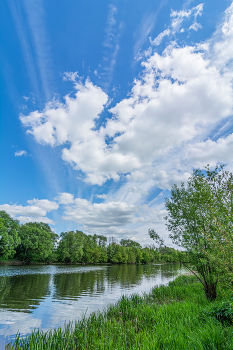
x=222, y=311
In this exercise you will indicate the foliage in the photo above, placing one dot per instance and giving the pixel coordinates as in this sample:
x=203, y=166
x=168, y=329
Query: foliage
x=167, y=318
x=154, y=235
x=222, y=311
x=37, y=242
x=130, y=243
x=219, y=233
x=70, y=248
x=193, y=215
x=9, y=238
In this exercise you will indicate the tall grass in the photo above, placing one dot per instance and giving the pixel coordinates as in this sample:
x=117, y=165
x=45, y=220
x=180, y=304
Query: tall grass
x=167, y=318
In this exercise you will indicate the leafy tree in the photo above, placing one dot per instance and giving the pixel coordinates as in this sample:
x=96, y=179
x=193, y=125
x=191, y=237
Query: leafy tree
x=9, y=238
x=147, y=255
x=219, y=233
x=131, y=256
x=117, y=254
x=130, y=243
x=70, y=248
x=37, y=242
x=194, y=213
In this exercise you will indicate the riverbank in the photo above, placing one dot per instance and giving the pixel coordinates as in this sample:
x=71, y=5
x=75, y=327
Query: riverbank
x=170, y=317
x=20, y=263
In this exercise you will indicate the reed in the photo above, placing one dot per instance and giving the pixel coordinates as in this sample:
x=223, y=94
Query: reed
x=170, y=317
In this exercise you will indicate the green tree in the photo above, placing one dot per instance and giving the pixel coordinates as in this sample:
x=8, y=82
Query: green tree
x=70, y=248
x=219, y=233
x=194, y=212
x=9, y=237
x=130, y=243
x=147, y=255
x=37, y=242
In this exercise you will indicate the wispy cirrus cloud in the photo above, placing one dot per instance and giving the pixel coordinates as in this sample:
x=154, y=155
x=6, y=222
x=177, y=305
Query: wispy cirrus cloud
x=178, y=17
x=30, y=27
x=145, y=28
x=111, y=46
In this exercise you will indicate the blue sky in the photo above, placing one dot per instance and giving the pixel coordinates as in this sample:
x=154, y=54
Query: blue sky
x=106, y=105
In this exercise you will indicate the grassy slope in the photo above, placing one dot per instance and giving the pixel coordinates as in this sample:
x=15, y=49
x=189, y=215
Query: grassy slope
x=167, y=318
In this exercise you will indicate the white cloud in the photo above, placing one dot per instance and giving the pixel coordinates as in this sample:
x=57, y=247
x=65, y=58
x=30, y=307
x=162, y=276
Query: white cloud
x=211, y=152
x=36, y=211
x=43, y=204
x=157, y=41
x=178, y=17
x=65, y=198
x=111, y=217
x=222, y=43
x=110, y=29
x=111, y=46
x=180, y=95
x=72, y=76
x=28, y=210
x=26, y=219
x=21, y=153
x=195, y=26
x=165, y=180
x=100, y=214
x=136, y=189
x=145, y=28
x=102, y=196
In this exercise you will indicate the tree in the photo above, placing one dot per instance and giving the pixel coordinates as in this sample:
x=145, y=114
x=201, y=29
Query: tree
x=194, y=212
x=70, y=248
x=37, y=242
x=220, y=234
x=130, y=243
x=9, y=238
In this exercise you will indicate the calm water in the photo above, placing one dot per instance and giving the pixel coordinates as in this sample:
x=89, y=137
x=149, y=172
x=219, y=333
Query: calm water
x=47, y=296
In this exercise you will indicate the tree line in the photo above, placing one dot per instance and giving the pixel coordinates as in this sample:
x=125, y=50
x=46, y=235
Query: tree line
x=36, y=242
x=199, y=218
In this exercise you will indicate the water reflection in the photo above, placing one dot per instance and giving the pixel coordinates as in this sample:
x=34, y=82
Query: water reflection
x=74, y=285
x=23, y=292
x=47, y=296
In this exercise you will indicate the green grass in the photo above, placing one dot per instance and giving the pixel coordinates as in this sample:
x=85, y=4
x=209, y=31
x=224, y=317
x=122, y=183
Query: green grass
x=170, y=317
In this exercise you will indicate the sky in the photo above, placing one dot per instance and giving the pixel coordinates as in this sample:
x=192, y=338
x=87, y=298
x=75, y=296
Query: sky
x=105, y=105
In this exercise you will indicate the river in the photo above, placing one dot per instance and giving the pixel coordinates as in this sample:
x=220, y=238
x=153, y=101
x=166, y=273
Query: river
x=47, y=296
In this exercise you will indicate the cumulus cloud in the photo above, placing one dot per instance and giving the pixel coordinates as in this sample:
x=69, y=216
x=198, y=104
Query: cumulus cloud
x=111, y=217
x=26, y=219
x=165, y=180
x=21, y=153
x=102, y=196
x=211, y=152
x=36, y=211
x=43, y=204
x=100, y=214
x=178, y=97
x=65, y=198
